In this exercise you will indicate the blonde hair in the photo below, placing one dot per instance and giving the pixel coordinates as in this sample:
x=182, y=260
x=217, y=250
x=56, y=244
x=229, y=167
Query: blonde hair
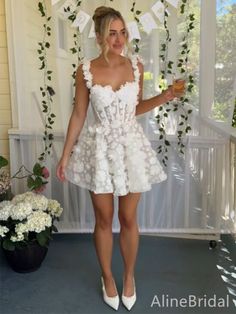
x=103, y=16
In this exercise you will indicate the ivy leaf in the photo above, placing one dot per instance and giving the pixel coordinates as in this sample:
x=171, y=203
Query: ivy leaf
x=50, y=90
x=3, y=162
x=50, y=136
x=37, y=169
x=188, y=129
x=38, y=182
x=41, y=9
x=30, y=182
x=73, y=50
x=42, y=66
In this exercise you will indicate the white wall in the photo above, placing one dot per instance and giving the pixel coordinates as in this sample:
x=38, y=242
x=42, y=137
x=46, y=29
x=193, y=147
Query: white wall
x=5, y=102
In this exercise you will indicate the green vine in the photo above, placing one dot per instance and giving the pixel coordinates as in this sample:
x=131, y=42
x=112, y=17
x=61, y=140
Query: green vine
x=136, y=13
x=47, y=92
x=76, y=49
x=167, y=69
x=182, y=65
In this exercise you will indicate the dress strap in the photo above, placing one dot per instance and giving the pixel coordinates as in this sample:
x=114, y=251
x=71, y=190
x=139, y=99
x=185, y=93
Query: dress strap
x=86, y=72
x=135, y=59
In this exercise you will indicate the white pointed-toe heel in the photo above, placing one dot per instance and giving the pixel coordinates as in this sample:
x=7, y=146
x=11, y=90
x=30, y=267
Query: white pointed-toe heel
x=111, y=301
x=129, y=301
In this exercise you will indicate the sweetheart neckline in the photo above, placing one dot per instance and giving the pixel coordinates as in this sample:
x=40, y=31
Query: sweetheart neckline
x=109, y=86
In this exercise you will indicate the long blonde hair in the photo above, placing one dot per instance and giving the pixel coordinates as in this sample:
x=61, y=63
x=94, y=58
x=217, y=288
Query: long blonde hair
x=103, y=16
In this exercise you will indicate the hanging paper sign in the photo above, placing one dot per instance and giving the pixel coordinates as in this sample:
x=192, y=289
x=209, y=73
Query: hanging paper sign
x=148, y=22
x=68, y=7
x=159, y=10
x=92, y=33
x=81, y=20
x=174, y=3
x=55, y=1
x=133, y=31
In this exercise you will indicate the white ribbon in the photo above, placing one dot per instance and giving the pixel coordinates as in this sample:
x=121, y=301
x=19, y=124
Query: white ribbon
x=81, y=20
x=92, y=31
x=54, y=1
x=159, y=10
x=148, y=22
x=133, y=31
x=174, y=3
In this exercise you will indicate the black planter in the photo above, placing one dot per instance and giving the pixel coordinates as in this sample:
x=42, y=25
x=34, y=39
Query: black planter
x=27, y=259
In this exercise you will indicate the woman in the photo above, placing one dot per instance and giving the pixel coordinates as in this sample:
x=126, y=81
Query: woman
x=112, y=156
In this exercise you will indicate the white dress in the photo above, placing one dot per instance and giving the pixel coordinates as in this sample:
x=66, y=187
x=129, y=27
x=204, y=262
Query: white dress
x=112, y=154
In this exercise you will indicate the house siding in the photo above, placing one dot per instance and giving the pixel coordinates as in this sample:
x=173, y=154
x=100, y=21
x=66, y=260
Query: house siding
x=5, y=99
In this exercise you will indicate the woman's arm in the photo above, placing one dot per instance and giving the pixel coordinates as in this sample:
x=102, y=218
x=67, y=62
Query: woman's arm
x=149, y=104
x=78, y=114
x=76, y=121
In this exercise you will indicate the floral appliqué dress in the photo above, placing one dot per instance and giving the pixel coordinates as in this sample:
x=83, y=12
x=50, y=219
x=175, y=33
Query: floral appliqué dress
x=112, y=154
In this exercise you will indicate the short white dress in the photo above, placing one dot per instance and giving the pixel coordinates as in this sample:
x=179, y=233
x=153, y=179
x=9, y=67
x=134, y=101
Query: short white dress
x=112, y=153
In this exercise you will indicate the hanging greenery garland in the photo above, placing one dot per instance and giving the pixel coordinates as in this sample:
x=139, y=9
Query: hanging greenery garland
x=47, y=92
x=167, y=69
x=77, y=47
x=135, y=15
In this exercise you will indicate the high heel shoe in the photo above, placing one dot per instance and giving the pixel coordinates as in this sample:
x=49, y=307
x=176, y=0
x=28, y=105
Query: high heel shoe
x=129, y=301
x=111, y=301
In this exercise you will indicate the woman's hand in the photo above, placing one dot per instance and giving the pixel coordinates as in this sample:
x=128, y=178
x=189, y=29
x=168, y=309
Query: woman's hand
x=61, y=169
x=174, y=91
x=168, y=94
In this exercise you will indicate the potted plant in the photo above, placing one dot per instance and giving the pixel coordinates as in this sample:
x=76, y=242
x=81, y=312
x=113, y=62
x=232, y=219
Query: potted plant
x=26, y=226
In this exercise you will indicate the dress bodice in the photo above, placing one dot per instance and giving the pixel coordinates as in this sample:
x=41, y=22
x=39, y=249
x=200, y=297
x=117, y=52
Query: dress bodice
x=112, y=153
x=113, y=106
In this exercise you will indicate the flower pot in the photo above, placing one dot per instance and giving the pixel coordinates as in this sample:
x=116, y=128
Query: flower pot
x=27, y=259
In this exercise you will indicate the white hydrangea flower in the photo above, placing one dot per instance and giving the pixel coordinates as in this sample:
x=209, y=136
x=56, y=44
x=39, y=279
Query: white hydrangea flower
x=21, y=228
x=21, y=197
x=4, y=203
x=38, y=221
x=21, y=211
x=37, y=201
x=17, y=238
x=5, y=212
x=54, y=208
x=3, y=231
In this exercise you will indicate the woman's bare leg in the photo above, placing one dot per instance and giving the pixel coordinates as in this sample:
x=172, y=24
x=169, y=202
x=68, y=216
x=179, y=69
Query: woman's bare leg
x=103, y=238
x=129, y=237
